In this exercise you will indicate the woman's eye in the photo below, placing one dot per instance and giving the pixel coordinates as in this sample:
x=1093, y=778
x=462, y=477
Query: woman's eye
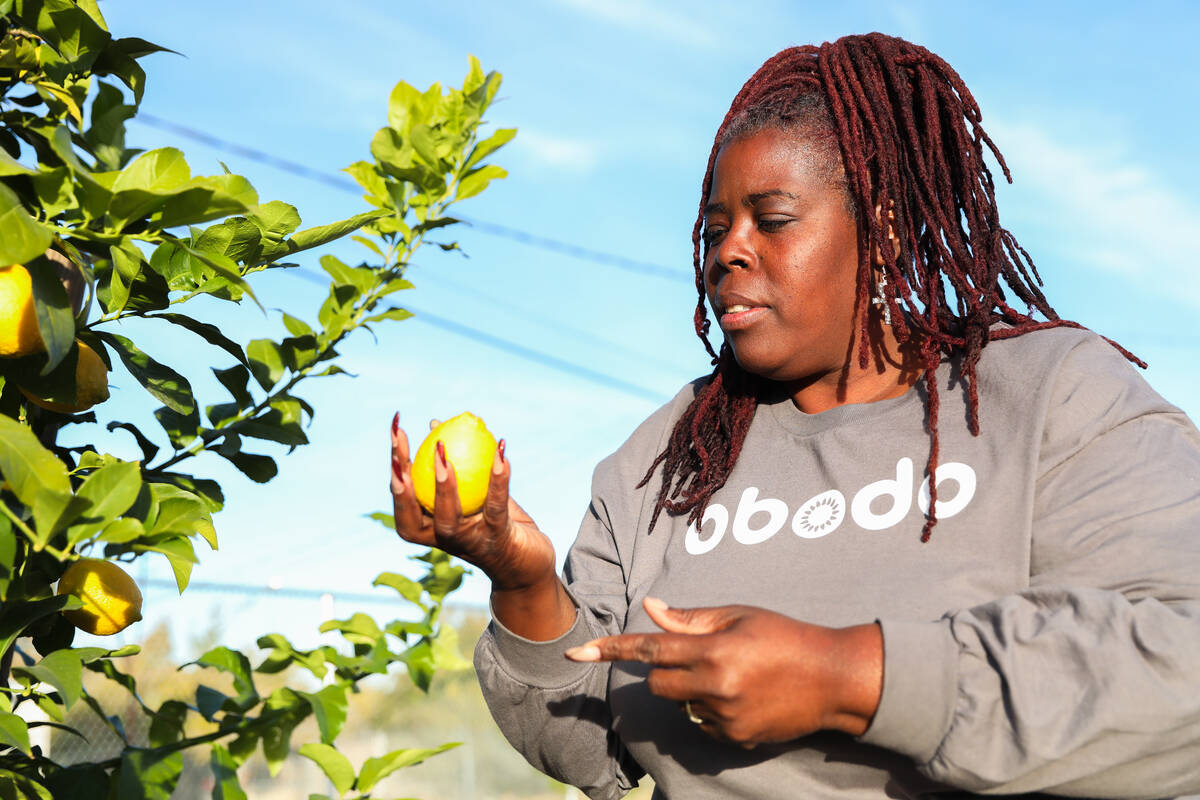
x=770, y=224
x=712, y=234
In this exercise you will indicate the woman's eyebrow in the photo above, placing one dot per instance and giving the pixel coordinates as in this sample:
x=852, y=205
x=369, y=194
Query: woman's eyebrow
x=716, y=208
x=754, y=198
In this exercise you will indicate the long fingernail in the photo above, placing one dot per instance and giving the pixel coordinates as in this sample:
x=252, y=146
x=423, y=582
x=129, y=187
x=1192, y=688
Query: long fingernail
x=654, y=604
x=399, y=476
x=500, y=449
x=498, y=460
x=585, y=653
x=439, y=463
x=396, y=423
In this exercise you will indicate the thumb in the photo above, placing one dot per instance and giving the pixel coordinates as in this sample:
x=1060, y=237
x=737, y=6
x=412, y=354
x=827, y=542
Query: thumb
x=689, y=620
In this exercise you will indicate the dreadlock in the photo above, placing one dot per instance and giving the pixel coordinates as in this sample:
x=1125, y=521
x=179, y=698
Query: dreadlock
x=911, y=142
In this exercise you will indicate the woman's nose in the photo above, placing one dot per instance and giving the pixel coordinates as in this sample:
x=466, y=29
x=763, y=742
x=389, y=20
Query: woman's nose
x=734, y=250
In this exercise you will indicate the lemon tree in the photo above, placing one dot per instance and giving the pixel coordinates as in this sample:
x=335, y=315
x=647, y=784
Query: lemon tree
x=95, y=235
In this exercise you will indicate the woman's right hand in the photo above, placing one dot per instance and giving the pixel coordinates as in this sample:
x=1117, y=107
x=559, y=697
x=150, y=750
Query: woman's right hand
x=502, y=540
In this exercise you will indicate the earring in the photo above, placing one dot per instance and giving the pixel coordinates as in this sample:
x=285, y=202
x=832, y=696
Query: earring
x=880, y=298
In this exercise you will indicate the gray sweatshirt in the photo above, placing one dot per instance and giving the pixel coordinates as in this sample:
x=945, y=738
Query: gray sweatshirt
x=1046, y=639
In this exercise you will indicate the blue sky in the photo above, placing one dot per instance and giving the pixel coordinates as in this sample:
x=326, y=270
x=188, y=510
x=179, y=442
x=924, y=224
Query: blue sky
x=1094, y=106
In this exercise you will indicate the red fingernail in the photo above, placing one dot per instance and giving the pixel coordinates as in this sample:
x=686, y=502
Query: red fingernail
x=396, y=471
x=441, y=452
x=440, y=471
x=500, y=450
x=396, y=423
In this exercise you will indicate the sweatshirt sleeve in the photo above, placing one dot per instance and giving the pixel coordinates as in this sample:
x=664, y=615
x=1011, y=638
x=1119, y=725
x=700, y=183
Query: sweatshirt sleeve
x=1088, y=683
x=553, y=711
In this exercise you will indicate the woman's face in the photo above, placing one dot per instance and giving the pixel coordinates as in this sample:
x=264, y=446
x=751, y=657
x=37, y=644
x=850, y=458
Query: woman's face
x=782, y=255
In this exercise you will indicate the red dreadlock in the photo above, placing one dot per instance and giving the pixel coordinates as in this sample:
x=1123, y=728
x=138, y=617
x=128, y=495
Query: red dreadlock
x=911, y=141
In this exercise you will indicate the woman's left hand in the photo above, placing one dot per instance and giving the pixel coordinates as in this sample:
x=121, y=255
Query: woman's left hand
x=752, y=675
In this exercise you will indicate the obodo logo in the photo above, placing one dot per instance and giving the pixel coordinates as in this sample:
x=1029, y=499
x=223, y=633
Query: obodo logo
x=875, y=507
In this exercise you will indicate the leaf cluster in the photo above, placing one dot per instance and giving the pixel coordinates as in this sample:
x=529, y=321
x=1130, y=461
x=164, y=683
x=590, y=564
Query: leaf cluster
x=143, y=235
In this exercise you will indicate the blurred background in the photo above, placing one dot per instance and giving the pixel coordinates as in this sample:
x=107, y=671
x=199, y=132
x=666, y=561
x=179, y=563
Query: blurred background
x=566, y=319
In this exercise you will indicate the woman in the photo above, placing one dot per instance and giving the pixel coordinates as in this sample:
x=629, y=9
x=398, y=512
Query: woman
x=839, y=624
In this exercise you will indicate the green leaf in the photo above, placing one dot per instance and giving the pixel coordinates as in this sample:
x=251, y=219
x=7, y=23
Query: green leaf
x=56, y=320
x=22, y=238
x=224, y=772
x=53, y=512
x=8, y=555
x=409, y=589
x=207, y=490
x=27, y=466
x=149, y=448
x=122, y=531
x=14, y=731
x=257, y=468
x=236, y=238
x=275, y=219
x=477, y=180
x=79, y=782
x=391, y=314
x=181, y=429
x=209, y=701
x=148, y=775
x=361, y=278
x=288, y=709
x=280, y=423
x=335, y=765
x=179, y=553
x=419, y=661
x=489, y=145
x=63, y=670
x=126, y=267
x=206, y=198
x=323, y=234
x=235, y=379
x=171, y=388
x=376, y=769
x=112, y=490
x=10, y=166
x=445, y=650
x=15, y=786
x=15, y=617
x=296, y=327
x=210, y=333
x=266, y=362
x=167, y=724
x=358, y=629
x=443, y=576
x=237, y=665
x=329, y=707
x=182, y=512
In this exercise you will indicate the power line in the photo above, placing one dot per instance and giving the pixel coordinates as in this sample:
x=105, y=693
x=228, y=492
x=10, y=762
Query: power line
x=213, y=587
x=520, y=350
x=489, y=228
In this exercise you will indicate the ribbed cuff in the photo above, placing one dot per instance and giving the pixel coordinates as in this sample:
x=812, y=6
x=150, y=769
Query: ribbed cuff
x=920, y=684
x=542, y=664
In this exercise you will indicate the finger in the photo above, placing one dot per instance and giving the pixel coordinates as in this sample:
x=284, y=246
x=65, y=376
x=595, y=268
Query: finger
x=433, y=423
x=406, y=514
x=447, y=509
x=400, y=449
x=660, y=649
x=690, y=620
x=677, y=684
x=495, y=505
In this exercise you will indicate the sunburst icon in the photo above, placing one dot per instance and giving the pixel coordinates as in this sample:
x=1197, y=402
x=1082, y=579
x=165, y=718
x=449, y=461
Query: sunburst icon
x=820, y=515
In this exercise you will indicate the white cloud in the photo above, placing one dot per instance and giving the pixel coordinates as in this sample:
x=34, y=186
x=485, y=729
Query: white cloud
x=559, y=152
x=1118, y=214
x=646, y=18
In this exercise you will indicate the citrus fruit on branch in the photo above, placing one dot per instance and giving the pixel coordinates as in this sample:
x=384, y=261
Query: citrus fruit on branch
x=19, y=334
x=111, y=600
x=91, y=385
x=470, y=449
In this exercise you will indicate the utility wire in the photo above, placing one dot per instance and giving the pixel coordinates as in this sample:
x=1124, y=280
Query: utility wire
x=528, y=353
x=250, y=589
x=348, y=185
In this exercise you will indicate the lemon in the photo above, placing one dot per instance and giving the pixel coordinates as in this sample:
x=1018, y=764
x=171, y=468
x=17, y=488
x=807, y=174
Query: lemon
x=470, y=448
x=91, y=384
x=19, y=334
x=111, y=600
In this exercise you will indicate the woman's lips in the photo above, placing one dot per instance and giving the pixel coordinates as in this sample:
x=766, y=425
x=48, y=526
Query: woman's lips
x=738, y=317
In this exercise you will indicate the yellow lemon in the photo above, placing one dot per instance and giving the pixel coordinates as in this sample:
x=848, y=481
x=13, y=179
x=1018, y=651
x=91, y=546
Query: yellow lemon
x=470, y=448
x=19, y=334
x=111, y=600
x=91, y=384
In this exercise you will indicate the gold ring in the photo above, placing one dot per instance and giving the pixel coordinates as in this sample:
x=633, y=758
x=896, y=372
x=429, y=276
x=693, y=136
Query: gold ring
x=691, y=715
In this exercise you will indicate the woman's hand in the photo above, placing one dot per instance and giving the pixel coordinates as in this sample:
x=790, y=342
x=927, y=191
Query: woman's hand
x=752, y=675
x=501, y=540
